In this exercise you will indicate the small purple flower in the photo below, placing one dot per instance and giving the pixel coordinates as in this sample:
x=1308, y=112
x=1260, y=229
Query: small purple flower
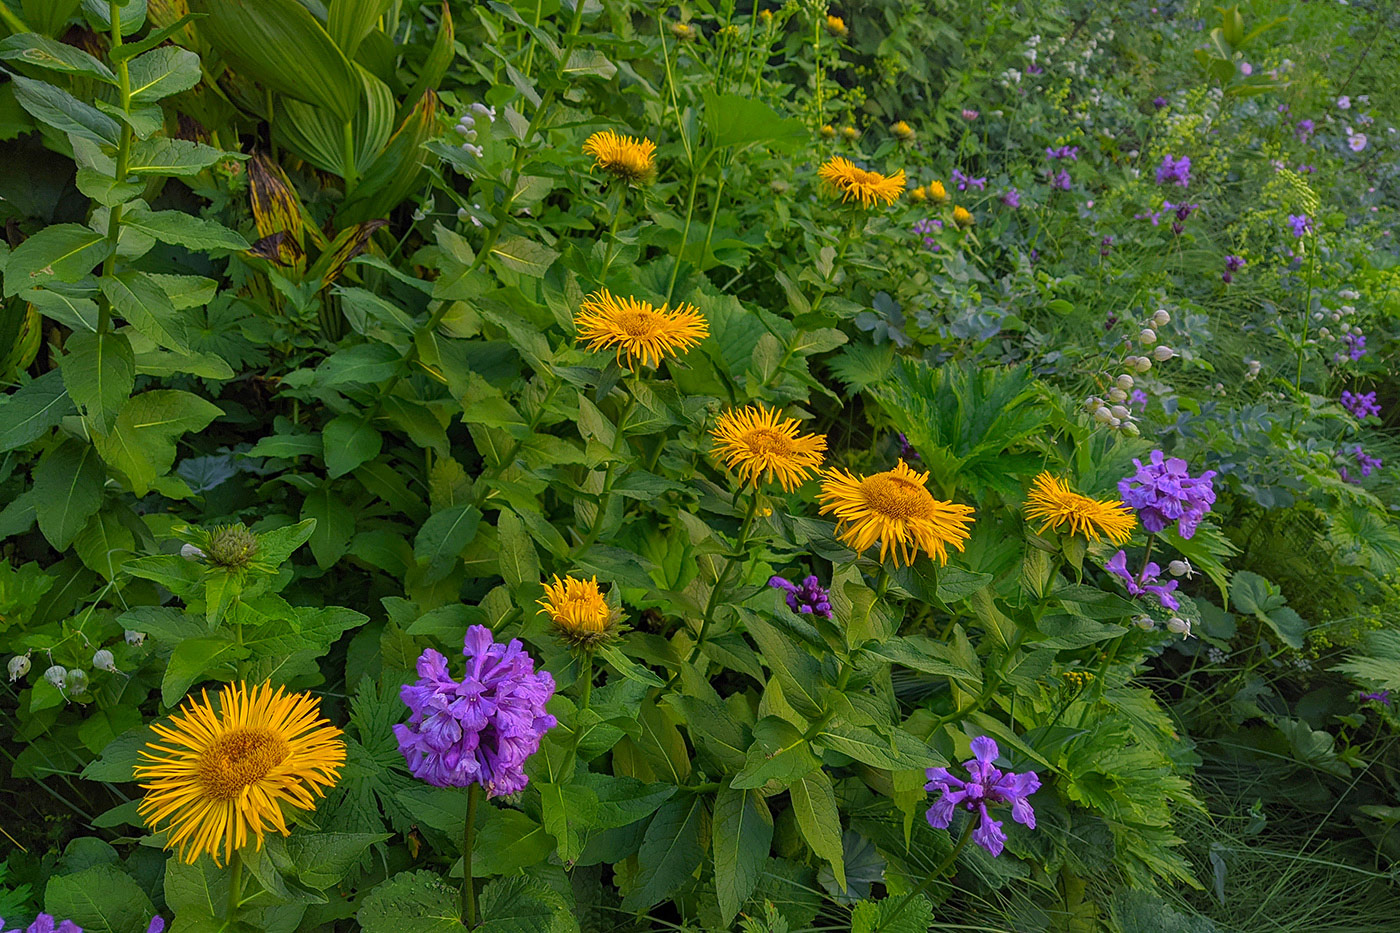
x=967, y=181
x=1062, y=152
x=811, y=598
x=1367, y=463
x=1246, y=69
x=482, y=729
x=1012, y=198
x=1356, y=141
x=1356, y=346
x=1145, y=582
x=1344, y=102
x=986, y=784
x=906, y=450
x=1300, y=224
x=1174, y=171
x=1034, y=69
x=1062, y=181
x=1362, y=405
x=1106, y=246
x=1159, y=102
x=1164, y=492
x=157, y=925
x=46, y=924
x=1233, y=264
x=1138, y=400
x=969, y=115
x=1304, y=129
x=1379, y=696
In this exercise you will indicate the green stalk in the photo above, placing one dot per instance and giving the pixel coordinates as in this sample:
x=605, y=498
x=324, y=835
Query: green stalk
x=114, y=216
x=611, y=253
x=1307, y=311
x=468, y=883
x=235, y=887
x=685, y=235
x=348, y=156
x=819, y=74
x=605, y=496
x=722, y=581
x=932, y=876
x=714, y=213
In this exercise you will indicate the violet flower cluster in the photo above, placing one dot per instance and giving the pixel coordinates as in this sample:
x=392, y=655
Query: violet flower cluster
x=1233, y=264
x=1011, y=198
x=479, y=730
x=1062, y=152
x=906, y=449
x=1355, y=347
x=1300, y=224
x=44, y=923
x=1379, y=696
x=927, y=228
x=1174, y=171
x=1164, y=492
x=1060, y=180
x=811, y=598
x=967, y=181
x=1361, y=404
x=1145, y=582
x=986, y=785
x=1304, y=129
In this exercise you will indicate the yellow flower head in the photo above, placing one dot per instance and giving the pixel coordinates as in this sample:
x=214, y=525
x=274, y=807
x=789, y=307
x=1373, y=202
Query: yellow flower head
x=828, y=131
x=936, y=192
x=624, y=157
x=918, y=195
x=766, y=16
x=753, y=441
x=580, y=615
x=962, y=217
x=850, y=134
x=684, y=31
x=836, y=26
x=902, y=131
x=219, y=779
x=895, y=509
x=1055, y=505
x=854, y=182
x=638, y=330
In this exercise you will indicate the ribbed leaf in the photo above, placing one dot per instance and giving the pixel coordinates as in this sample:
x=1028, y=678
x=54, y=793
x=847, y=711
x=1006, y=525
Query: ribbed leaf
x=395, y=174
x=350, y=21
x=318, y=135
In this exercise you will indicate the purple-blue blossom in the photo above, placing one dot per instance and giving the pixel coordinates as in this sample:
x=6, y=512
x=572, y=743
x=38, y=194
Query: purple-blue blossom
x=1304, y=129
x=1011, y=198
x=1378, y=696
x=1361, y=404
x=810, y=598
x=1163, y=491
x=906, y=450
x=481, y=729
x=986, y=786
x=1299, y=223
x=46, y=924
x=1159, y=102
x=1174, y=171
x=1144, y=582
x=1355, y=345
x=967, y=181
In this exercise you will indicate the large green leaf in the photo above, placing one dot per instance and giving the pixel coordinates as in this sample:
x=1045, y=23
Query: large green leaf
x=278, y=43
x=442, y=538
x=193, y=660
x=411, y=902
x=740, y=120
x=29, y=413
x=64, y=112
x=524, y=905
x=65, y=252
x=743, y=834
x=67, y=490
x=183, y=229
x=318, y=135
x=163, y=71
x=141, y=444
x=100, y=899
x=99, y=371
x=671, y=851
x=137, y=297
x=349, y=21
x=42, y=52
x=814, y=805
x=350, y=440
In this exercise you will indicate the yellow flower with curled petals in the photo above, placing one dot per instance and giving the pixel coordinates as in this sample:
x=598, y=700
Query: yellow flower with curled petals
x=856, y=183
x=895, y=509
x=1055, y=505
x=758, y=443
x=626, y=158
x=639, y=331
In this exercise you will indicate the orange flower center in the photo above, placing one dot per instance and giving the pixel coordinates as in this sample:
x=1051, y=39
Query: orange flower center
x=638, y=322
x=237, y=760
x=767, y=442
x=895, y=497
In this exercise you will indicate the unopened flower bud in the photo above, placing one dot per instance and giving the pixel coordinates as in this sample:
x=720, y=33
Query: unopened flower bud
x=1103, y=416
x=190, y=552
x=1163, y=353
x=102, y=660
x=1093, y=403
x=1124, y=382
x=134, y=637
x=1116, y=394
x=482, y=110
x=232, y=547
x=56, y=676
x=19, y=666
x=1147, y=336
x=1131, y=429
x=464, y=127
x=1143, y=364
x=462, y=213
x=1120, y=412
x=1179, y=568
x=1325, y=334
x=77, y=680
x=1178, y=626
x=1161, y=318
x=1144, y=622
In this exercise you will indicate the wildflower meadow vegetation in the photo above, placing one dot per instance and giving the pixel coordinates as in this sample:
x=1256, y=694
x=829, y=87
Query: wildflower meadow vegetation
x=599, y=465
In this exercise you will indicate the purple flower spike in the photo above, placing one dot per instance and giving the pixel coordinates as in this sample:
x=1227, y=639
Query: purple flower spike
x=986, y=784
x=157, y=925
x=1362, y=405
x=1174, y=171
x=1164, y=492
x=1379, y=696
x=811, y=598
x=1145, y=582
x=1299, y=223
x=44, y=923
x=482, y=729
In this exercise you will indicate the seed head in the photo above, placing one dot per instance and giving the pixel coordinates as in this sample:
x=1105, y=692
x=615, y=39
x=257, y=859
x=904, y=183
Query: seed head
x=232, y=547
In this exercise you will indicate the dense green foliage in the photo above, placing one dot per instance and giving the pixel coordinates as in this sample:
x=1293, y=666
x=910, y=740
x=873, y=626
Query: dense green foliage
x=313, y=268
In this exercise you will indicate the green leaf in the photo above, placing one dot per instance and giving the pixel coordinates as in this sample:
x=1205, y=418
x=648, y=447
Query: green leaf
x=66, y=252
x=320, y=860
x=119, y=758
x=276, y=546
x=192, y=660
x=507, y=842
x=136, y=297
x=814, y=805
x=161, y=155
x=520, y=564
x=899, y=752
x=101, y=899
x=42, y=52
x=28, y=414
x=163, y=71
x=524, y=905
x=629, y=668
x=738, y=120
x=778, y=753
x=890, y=915
x=67, y=490
x=411, y=902
x=334, y=525
x=742, y=837
x=183, y=229
x=524, y=256
x=142, y=442
x=99, y=371
x=154, y=38
x=671, y=851
x=442, y=538
x=797, y=671
x=199, y=890
x=64, y=112
x=349, y=21
x=349, y=441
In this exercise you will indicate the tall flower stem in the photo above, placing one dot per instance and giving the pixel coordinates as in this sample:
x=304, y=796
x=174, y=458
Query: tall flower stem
x=235, y=886
x=468, y=883
x=932, y=877
x=610, y=253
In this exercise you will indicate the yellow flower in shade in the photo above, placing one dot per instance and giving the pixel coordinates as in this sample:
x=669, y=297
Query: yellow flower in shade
x=850, y=134
x=1055, y=505
x=855, y=183
x=903, y=132
x=918, y=195
x=638, y=330
x=580, y=615
x=766, y=16
x=895, y=509
x=828, y=131
x=936, y=192
x=624, y=157
x=757, y=443
x=218, y=779
x=962, y=217
x=836, y=26
x=684, y=31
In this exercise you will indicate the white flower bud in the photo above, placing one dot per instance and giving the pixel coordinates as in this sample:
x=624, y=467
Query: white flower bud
x=1163, y=353
x=1144, y=622
x=135, y=638
x=464, y=127
x=1147, y=336
x=1125, y=382
x=1317, y=315
x=1325, y=334
x=1103, y=416
x=462, y=213
x=1093, y=403
x=19, y=666
x=102, y=660
x=471, y=136
x=1180, y=568
x=1161, y=318
x=1178, y=626
x=1116, y=394
x=77, y=680
x=419, y=215
x=57, y=676
x=1143, y=364
x=483, y=110
x=1120, y=412
x=1131, y=429
x=474, y=150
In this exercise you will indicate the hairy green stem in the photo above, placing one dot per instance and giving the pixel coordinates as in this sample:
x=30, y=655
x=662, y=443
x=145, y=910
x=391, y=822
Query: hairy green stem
x=722, y=581
x=468, y=883
x=123, y=161
x=235, y=886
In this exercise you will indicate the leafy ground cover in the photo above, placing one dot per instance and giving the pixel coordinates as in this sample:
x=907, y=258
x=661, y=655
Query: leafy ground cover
x=551, y=466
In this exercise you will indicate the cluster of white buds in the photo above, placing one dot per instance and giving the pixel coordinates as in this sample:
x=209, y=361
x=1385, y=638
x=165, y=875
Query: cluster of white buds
x=103, y=660
x=18, y=666
x=466, y=126
x=1215, y=656
x=1251, y=369
x=1179, y=626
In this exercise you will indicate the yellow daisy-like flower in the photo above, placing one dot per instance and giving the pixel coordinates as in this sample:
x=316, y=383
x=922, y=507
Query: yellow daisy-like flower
x=850, y=134
x=962, y=217
x=219, y=778
x=836, y=26
x=828, y=131
x=638, y=330
x=902, y=131
x=854, y=182
x=624, y=157
x=1053, y=503
x=895, y=509
x=684, y=32
x=580, y=614
x=918, y=195
x=936, y=192
x=759, y=444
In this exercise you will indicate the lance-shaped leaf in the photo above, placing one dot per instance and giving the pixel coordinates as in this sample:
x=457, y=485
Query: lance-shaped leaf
x=394, y=173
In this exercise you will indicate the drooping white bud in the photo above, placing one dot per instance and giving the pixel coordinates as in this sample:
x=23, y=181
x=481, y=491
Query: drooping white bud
x=1131, y=429
x=19, y=666
x=1161, y=318
x=1147, y=336
x=1144, y=622
x=1124, y=382
x=1116, y=394
x=57, y=676
x=1093, y=403
x=1143, y=364
x=464, y=127
x=77, y=680
x=1121, y=413
x=1178, y=626
x=190, y=552
x=135, y=638
x=1163, y=353
x=102, y=660
x=1180, y=568
x=1103, y=415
